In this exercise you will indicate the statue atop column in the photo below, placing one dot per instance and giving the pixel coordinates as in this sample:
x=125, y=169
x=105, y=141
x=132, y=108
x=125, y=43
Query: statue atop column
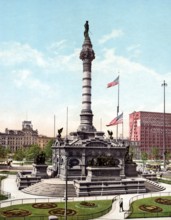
x=87, y=53
x=86, y=26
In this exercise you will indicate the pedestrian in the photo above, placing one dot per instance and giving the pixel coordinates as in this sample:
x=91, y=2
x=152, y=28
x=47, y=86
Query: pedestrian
x=121, y=205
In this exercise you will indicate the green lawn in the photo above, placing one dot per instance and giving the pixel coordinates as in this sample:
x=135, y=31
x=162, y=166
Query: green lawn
x=138, y=213
x=102, y=206
x=165, y=181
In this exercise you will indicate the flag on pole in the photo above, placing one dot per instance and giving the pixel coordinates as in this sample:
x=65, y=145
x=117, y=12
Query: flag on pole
x=117, y=120
x=113, y=83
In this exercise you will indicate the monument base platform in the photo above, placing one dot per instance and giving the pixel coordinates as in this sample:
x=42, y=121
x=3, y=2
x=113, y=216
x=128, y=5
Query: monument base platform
x=114, y=187
x=109, y=181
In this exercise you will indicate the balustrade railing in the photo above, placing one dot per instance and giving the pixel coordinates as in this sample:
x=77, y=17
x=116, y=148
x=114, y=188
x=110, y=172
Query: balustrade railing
x=12, y=202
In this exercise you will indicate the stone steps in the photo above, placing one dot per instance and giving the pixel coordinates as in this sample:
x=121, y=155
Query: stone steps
x=24, y=179
x=124, y=186
x=54, y=188
x=153, y=186
x=51, y=190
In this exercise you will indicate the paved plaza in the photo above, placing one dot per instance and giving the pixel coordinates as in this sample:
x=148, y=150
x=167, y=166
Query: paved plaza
x=9, y=185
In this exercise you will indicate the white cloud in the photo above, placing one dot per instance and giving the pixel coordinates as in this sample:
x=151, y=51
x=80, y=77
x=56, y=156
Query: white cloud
x=134, y=50
x=133, y=47
x=21, y=77
x=24, y=78
x=140, y=86
x=15, y=53
x=57, y=46
x=70, y=62
x=112, y=35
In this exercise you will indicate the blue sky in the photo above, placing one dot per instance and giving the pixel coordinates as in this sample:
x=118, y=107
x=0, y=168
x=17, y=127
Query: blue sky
x=40, y=69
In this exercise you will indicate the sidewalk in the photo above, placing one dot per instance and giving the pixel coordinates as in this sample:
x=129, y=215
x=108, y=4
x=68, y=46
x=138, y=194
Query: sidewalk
x=9, y=185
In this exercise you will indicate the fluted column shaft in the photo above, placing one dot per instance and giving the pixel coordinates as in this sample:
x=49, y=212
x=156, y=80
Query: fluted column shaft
x=87, y=56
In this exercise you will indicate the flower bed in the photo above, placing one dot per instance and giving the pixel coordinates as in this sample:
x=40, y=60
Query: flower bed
x=44, y=205
x=163, y=201
x=88, y=204
x=16, y=213
x=61, y=212
x=150, y=208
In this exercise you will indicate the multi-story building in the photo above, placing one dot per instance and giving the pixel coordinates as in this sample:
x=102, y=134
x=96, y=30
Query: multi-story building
x=42, y=140
x=146, y=129
x=15, y=139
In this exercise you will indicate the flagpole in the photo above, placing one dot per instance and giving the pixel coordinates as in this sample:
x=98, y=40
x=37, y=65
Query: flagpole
x=67, y=123
x=100, y=124
x=117, y=112
x=122, y=130
x=54, y=126
x=66, y=168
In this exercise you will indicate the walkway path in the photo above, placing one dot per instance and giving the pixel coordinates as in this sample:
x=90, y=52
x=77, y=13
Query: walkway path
x=9, y=185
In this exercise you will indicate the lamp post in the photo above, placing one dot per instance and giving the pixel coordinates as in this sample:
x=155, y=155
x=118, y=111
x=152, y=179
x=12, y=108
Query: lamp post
x=66, y=192
x=164, y=84
x=66, y=179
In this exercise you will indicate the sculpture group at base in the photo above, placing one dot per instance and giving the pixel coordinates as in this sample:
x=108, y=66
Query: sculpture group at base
x=105, y=161
x=40, y=158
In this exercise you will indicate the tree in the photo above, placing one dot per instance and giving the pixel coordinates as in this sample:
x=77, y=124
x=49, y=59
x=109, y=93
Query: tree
x=48, y=150
x=3, y=152
x=144, y=157
x=32, y=152
x=8, y=150
x=132, y=151
x=19, y=154
x=155, y=153
x=168, y=155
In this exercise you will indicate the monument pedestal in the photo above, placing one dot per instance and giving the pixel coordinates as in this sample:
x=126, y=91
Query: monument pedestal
x=40, y=170
x=103, y=173
x=130, y=170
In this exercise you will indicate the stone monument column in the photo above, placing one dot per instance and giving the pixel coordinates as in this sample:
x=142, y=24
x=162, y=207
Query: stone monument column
x=87, y=55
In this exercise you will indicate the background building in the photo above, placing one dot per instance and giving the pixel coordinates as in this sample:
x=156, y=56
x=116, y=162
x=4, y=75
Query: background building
x=15, y=139
x=146, y=130
x=42, y=141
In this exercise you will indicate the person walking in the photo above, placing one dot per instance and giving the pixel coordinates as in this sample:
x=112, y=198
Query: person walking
x=121, y=205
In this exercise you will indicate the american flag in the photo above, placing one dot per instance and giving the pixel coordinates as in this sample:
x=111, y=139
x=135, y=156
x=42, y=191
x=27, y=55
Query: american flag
x=113, y=83
x=117, y=120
